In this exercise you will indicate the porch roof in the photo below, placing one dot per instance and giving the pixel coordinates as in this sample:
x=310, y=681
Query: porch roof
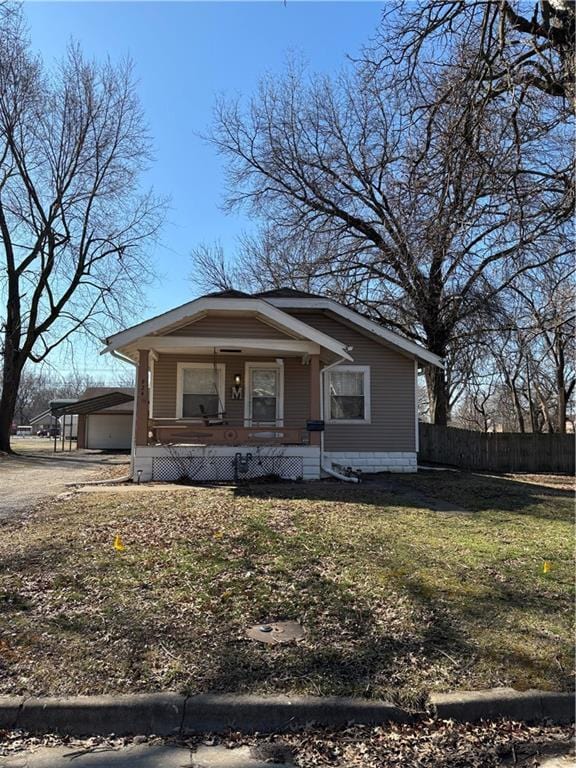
x=271, y=306
x=302, y=338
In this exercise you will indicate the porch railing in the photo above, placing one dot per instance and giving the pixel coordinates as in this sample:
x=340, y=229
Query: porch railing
x=175, y=432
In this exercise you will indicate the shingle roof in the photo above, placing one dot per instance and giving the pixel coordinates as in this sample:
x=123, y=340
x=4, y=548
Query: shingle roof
x=287, y=293
x=278, y=293
x=231, y=293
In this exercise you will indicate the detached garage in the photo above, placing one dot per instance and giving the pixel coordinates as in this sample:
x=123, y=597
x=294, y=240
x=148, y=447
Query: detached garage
x=105, y=419
x=108, y=431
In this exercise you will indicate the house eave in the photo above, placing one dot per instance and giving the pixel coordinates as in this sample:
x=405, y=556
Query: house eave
x=416, y=351
x=126, y=340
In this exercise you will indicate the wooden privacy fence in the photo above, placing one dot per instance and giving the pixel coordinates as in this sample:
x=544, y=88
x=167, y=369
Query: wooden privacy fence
x=497, y=451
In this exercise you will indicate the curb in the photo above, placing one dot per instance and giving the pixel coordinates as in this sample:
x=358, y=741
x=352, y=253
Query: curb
x=213, y=712
x=526, y=706
x=169, y=714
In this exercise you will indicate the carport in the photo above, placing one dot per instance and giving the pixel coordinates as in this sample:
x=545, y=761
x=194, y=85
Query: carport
x=104, y=420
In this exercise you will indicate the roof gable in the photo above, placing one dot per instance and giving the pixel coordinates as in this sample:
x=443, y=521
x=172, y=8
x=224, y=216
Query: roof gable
x=270, y=306
x=241, y=326
x=186, y=313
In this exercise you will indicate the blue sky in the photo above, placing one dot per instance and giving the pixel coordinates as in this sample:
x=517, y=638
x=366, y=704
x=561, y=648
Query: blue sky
x=185, y=55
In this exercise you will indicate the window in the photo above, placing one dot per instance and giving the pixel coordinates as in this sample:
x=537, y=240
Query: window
x=200, y=391
x=264, y=386
x=348, y=394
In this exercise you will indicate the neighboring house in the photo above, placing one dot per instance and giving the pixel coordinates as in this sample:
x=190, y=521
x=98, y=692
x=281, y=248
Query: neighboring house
x=51, y=420
x=108, y=427
x=235, y=385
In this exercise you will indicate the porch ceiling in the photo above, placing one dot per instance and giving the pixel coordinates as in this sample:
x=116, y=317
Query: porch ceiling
x=191, y=345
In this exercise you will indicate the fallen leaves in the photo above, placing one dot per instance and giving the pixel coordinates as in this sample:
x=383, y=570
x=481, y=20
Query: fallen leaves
x=396, y=601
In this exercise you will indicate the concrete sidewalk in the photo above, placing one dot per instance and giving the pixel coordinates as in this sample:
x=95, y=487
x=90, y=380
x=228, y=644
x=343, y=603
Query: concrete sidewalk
x=143, y=756
x=168, y=756
x=137, y=756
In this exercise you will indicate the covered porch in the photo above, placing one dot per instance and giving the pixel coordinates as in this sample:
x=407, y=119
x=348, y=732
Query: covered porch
x=225, y=388
x=262, y=396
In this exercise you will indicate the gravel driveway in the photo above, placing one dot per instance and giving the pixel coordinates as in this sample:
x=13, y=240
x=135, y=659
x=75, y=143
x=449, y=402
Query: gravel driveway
x=30, y=477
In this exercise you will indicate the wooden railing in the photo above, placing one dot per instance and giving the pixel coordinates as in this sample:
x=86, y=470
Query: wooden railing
x=173, y=432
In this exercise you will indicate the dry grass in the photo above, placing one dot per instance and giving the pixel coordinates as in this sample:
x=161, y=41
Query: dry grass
x=396, y=600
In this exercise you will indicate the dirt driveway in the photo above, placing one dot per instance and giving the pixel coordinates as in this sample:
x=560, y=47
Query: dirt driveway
x=34, y=475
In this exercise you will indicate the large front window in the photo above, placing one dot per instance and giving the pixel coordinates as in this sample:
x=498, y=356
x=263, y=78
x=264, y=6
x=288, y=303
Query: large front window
x=348, y=394
x=201, y=391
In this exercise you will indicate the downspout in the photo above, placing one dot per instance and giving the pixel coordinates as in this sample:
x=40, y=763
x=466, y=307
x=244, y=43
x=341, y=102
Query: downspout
x=124, y=359
x=323, y=467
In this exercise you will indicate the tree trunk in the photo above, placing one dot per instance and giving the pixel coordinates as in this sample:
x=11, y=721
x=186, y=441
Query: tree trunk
x=10, y=382
x=518, y=409
x=511, y=384
x=560, y=386
x=437, y=394
x=532, y=410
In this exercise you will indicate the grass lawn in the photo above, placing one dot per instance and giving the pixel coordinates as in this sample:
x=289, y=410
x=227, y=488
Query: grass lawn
x=396, y=600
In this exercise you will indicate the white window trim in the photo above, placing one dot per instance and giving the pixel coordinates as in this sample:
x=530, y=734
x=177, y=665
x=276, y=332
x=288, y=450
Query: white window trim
x=365, y=369
x=180, y=368
x=248, y=366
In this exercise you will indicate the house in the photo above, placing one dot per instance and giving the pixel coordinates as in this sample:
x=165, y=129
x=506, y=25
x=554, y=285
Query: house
x=52, y=423
x=275, y=383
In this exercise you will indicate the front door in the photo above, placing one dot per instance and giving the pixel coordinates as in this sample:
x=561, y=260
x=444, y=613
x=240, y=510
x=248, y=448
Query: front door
x=264, y=393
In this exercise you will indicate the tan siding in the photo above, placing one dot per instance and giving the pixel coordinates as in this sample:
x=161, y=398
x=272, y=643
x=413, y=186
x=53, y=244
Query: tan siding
x=236, y=327
x=392, y=426
x=296, y=392
x=295, y=386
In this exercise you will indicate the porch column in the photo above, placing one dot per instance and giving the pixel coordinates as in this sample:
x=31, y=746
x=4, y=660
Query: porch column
x=314, y=410
x=142, y=399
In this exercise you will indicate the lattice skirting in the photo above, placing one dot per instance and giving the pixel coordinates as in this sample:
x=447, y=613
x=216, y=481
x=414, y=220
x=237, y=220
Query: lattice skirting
x=223, y=468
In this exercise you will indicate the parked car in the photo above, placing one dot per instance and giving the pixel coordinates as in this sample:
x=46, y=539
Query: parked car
x=48, y=432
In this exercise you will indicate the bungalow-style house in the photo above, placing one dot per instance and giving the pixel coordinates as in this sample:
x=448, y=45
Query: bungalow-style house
x=281, y=383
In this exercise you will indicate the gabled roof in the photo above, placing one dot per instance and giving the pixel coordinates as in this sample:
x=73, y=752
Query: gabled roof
x=376, y=329
x=259, y=306
x=271, y=305
x=286, y=293
x=230, y=293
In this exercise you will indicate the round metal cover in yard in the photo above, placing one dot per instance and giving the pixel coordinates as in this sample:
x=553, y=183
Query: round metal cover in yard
x=276, y=632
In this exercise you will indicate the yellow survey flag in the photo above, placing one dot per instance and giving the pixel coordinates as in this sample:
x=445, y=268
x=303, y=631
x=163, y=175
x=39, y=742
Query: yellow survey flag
x=118, y=544
x=547, y=567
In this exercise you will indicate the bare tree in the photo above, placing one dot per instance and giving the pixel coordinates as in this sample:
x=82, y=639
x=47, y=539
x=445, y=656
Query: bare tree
x=418, y=222
x=32, y=390
x=73, y=224
x=531, y=350
x=549, y=298
x=513, y=47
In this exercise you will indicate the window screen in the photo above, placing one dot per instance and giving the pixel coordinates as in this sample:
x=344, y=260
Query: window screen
x=347, y=397
x=200, y=393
